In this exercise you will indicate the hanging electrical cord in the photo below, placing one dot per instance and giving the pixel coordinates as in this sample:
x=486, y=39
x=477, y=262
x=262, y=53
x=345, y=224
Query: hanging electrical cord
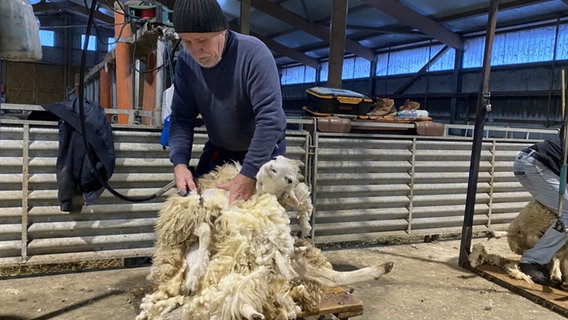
x=90, y=152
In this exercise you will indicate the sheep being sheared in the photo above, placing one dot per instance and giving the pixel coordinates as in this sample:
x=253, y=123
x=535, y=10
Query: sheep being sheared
x=251, y=267
x=522, y=234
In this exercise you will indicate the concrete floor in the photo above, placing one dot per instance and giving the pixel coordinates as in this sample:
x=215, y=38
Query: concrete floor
x=426, y=283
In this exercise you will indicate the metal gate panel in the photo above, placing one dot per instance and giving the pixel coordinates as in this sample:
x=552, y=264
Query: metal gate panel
x=373, y=176
x=11, y=192
x=33, y=230
x=373, y=185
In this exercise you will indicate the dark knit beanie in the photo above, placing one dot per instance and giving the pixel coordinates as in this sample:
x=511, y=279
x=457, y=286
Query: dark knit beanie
x=198, y=16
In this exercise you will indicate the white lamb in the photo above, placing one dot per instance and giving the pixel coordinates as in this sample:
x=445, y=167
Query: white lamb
x=522, y=234
x=240, y=261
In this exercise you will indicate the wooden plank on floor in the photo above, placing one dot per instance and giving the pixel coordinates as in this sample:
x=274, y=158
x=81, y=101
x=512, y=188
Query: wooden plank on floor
x=551, y=298
x=340, y=302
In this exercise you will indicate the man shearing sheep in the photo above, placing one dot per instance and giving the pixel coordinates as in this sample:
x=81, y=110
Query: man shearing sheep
x=232, y=81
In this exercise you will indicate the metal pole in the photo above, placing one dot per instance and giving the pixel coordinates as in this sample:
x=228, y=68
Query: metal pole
x=483, y=107
x=563, y=167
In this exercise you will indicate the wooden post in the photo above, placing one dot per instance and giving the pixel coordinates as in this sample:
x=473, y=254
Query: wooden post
x=105, y=89
x=122, y=34
x=245, y=16
x=149, y=94
x=337, y=43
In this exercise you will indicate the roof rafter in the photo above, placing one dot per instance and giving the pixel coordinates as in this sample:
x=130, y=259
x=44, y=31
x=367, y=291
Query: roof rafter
x=418, y=21
x=73, y=7
x=282, y=49
x=287, y=51
x=321, y=32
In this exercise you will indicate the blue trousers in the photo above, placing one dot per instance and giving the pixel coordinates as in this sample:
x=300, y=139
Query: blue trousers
x=543, y=184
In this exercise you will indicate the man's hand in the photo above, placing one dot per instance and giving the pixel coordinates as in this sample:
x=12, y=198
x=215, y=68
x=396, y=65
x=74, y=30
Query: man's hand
x=240, y=188
x=184, y=180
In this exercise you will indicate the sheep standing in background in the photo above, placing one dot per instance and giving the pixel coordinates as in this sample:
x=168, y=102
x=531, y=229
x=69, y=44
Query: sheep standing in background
x=240, y=261
x=522, y=234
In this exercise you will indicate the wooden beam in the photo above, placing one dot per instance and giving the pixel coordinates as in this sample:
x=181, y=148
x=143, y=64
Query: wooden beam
x=389, y=30
x=245, y=16
x=288, y=52
x=72, y=7
x=418, y=21
x=167, y=3
x=282, y=49
x=321, y=32
x=483, y=9
x=337, y=43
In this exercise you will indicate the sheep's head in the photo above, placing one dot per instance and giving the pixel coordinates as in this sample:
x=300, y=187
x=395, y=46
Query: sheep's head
x=278, y=176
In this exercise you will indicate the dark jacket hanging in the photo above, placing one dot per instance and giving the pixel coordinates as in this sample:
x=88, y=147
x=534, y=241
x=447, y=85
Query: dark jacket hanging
x=75, y=173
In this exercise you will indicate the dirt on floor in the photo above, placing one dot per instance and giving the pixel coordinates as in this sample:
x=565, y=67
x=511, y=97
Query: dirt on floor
x=426, y=283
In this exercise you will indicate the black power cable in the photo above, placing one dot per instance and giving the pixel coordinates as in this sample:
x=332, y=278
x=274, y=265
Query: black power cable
x=90, y=152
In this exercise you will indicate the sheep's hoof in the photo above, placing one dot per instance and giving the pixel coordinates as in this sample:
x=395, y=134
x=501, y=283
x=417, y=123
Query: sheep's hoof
x=388, y=266
x=189, y=289
x=248, y=312
x=556, y=281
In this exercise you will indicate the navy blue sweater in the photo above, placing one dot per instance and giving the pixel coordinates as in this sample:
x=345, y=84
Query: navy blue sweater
x=239, y=99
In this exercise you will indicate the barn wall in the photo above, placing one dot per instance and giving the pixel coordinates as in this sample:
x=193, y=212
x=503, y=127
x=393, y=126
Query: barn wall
x=521, y=96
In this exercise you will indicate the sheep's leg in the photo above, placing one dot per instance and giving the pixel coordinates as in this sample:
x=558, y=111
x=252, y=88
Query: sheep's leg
x=496, y=234
x=169, y=309
x=249, y=313
x=513, y=271
x=304, y=222
x=332, y=278
x=479, y=256
x=555, y=271
x=284, y=267
x=174, y=314
x=197, y=259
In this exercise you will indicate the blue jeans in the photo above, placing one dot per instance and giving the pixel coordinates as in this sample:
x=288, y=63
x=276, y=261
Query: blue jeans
x=543, y=184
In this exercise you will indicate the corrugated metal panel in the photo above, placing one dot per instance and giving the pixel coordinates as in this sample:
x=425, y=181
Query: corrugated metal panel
x=33, y=230
x=370, y=185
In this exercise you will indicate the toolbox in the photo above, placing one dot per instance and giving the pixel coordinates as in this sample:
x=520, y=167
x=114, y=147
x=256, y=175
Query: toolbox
x=337, y=101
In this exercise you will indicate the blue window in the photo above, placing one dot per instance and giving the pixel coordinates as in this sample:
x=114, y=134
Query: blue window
x=356, y=67
x=111, y=44
x=412, y=60
x=47, y=38
x=353, y=68
x=298, y=74
x=516, y=47
x=562, y=45
x=445, y=62
x=92, y=43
